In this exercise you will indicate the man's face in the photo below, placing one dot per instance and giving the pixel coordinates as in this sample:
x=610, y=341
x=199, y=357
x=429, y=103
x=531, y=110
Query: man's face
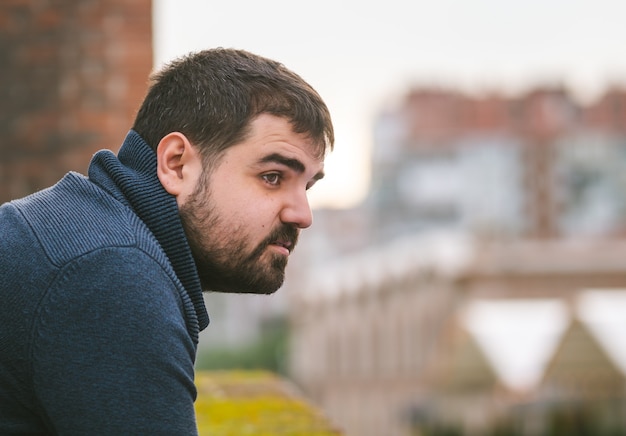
x=243, y=218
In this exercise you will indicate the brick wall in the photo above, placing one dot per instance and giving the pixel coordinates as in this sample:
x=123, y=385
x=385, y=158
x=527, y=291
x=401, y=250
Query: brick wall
x=73, y=74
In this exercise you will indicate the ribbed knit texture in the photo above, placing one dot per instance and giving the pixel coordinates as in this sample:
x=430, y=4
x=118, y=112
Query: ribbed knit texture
x=101, y=305
x=133, y=176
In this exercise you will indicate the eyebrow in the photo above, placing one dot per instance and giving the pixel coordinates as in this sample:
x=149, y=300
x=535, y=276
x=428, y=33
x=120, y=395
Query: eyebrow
x=292, y=163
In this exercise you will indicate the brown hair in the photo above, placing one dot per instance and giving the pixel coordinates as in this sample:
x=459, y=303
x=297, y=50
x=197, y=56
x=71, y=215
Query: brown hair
x=212, y=96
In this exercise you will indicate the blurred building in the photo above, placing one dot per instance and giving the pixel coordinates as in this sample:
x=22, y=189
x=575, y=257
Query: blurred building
x=448, y=331
x=73, y=74
x=536, y=165
x=465, y=290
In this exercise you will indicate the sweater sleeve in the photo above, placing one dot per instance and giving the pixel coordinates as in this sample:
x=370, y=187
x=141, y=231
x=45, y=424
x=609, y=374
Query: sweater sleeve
x=111, y=352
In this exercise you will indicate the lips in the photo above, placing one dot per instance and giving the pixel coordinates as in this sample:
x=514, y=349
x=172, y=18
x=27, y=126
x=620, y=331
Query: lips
x=285, y=244
x=284, y=247
x=284, y=235
x=283, y=238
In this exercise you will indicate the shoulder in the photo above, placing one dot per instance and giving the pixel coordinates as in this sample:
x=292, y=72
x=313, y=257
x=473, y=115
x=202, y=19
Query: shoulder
x=75, y=225
x=71, y=218
x=115, y=280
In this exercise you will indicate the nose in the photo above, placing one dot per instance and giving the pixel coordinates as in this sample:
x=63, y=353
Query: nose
x=297, y=212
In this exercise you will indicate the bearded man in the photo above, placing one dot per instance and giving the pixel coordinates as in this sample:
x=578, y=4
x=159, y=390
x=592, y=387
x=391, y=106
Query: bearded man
x=101, y=276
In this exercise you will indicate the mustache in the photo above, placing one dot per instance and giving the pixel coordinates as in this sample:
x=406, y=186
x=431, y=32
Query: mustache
x=283, y=233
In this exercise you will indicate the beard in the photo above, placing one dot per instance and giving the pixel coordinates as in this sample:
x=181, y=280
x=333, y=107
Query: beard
x=224, y=261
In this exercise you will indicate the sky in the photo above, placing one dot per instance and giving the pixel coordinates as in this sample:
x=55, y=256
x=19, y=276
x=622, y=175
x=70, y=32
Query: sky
x=362, y=56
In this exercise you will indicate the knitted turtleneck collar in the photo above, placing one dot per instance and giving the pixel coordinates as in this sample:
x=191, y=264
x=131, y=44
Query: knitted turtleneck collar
x=132, y=178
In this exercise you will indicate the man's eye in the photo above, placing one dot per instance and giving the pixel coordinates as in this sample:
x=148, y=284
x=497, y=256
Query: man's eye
x=272, y=178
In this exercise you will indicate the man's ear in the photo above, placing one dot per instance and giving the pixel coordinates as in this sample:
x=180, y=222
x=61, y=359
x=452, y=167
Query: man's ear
x=178, y=164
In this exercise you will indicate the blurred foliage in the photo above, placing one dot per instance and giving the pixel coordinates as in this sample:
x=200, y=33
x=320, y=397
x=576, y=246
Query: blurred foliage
x=269, y=352
x=240, y=403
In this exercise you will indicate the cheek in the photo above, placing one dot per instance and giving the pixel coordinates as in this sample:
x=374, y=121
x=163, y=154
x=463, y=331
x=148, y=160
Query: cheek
x=241, y=213
x=244, y=207
x=259, y=216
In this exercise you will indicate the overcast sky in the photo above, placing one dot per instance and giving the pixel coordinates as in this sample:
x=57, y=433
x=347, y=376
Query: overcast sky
x=360, y=54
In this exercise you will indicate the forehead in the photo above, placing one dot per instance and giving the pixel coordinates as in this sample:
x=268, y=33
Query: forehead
x=272, y=134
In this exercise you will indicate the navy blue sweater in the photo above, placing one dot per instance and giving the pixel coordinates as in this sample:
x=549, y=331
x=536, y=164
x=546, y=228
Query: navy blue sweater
x=101, y=305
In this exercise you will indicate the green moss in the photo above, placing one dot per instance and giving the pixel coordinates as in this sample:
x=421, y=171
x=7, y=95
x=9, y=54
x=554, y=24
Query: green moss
x=240, y=403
